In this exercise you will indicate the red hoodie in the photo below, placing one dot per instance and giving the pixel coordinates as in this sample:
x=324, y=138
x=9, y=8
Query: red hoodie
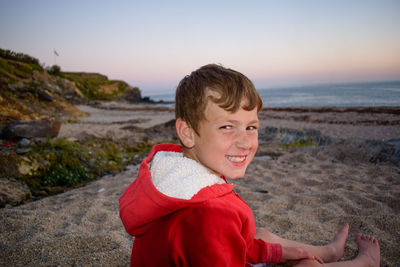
x=215, y=227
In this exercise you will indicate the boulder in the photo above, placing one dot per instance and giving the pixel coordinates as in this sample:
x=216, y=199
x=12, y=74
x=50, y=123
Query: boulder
x=360, y=150
x=70, y=91
x=384, y=152
x=45, y=95
x=17, y=130
x=162, y=132
x=13, y=192
x=132, y=95
x=289, y=136
x=52, y=87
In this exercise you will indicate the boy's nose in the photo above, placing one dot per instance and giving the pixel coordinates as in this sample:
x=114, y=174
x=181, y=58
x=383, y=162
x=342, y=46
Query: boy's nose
x=243, y=140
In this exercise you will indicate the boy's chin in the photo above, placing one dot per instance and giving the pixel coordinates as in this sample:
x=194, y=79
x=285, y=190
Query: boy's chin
x=233, y=176
x=229, y=173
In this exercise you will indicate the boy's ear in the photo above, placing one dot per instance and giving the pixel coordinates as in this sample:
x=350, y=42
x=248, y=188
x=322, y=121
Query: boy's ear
x=185, y=133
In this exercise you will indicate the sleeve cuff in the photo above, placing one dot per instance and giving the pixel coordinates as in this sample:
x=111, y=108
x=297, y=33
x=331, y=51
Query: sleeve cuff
x=274, y=253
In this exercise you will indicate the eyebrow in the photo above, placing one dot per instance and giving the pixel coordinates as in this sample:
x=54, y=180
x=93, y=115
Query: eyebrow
x=255, y=121
x=251, y=122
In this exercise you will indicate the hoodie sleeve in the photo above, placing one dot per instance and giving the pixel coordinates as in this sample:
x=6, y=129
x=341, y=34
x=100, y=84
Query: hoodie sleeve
x=261, y=251
x=213, y=236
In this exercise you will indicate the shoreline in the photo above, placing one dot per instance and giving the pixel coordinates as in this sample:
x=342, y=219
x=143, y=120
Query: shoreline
x=110, y=119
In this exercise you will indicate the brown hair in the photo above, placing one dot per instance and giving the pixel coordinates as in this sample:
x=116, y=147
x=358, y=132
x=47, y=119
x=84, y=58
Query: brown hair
x=232, y=87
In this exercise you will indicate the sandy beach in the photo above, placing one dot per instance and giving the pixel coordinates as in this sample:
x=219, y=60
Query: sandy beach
x=303, y=193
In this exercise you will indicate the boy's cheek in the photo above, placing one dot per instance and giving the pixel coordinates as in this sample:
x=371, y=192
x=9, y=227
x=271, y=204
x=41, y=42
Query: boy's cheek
x=256, y=142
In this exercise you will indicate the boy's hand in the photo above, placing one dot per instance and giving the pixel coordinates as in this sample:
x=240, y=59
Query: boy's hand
x=296, y=253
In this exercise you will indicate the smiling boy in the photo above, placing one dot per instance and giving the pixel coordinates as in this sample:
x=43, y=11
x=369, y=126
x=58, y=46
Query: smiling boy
x=225, y=143
x=181, y=209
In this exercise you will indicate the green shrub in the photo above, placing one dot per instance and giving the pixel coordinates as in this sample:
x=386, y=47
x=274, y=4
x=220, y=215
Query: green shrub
x=15, y=69
x=67, y=162
x=66, y=175
x=300, y=143
x=89, y=85
x=54, y=70
x=70, y=163
x=8, y=54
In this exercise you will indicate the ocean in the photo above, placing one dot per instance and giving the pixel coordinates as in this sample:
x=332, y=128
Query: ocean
x=371, y=94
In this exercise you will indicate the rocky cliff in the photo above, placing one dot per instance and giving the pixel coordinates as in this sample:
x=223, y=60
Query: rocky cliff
x=29, y=92
x=34, y=102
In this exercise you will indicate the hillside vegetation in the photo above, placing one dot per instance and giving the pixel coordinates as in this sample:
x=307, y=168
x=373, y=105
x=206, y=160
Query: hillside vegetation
x=28, y=91
x=95, y=86
x=17, y=65
x=36, y=167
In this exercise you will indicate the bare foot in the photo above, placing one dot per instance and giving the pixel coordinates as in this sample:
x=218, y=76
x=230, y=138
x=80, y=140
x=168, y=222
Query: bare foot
x=336, y=247
x=368, y=251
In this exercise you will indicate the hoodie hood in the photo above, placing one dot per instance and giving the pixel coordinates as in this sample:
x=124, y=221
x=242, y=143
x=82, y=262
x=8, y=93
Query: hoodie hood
x=166, y=182
x=177, y=176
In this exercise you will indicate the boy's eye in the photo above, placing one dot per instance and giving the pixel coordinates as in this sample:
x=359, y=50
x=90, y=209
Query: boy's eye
x=226, y=127
x=251, y=128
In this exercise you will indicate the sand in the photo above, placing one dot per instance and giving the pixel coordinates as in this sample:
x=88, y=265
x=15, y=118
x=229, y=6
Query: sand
x=304, y=194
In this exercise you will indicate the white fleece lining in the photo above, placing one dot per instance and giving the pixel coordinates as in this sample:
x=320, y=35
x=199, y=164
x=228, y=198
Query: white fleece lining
x=177, y=176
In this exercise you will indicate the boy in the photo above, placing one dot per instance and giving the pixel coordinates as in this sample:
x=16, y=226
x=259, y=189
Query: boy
x=181, y=209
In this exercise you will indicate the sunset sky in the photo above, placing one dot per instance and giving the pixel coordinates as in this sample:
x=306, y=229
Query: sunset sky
x=153, y=44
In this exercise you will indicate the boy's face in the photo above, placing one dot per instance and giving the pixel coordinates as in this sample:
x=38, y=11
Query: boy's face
x=227, y=142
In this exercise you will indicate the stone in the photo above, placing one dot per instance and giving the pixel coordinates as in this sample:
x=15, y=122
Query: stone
x=17, y=130
x=384, y=152
x=396, y=147
x=289, y=136
x=39, y=193
x=23, y=150
x=24, y=142
x=162, y=132
x=45, y=95
x=9, y=163
x=361, y=150
x=132, y=95
x=13, y=192
x=51, y=87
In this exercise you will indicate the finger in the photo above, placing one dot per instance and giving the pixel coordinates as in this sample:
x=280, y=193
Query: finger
x=318, y=259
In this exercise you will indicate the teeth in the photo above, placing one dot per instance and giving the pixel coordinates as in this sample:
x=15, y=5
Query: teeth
x=236, y=159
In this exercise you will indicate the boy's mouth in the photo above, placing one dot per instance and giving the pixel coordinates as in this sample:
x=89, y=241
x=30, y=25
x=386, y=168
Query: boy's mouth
x=237, y=159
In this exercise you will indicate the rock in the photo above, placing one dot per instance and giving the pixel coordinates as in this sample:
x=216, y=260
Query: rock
x=24, y=142
x=384, y=152
x=53, y=190
x=9, y=164
x=23, y=150
x=31, y=129
x=70, y=91
x=39, y=193
x=372, y=151
x=132, y=95
x=45, y=95
x=54, y=85
x=13, y=192
x=396, y=146
x=162, y=132
x=51, y=87
x=72, y=139
x=289, y=136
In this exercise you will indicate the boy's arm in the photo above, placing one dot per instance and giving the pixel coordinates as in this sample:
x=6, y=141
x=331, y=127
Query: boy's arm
x=261, y=251
x=211, y=236
x=208, y=236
